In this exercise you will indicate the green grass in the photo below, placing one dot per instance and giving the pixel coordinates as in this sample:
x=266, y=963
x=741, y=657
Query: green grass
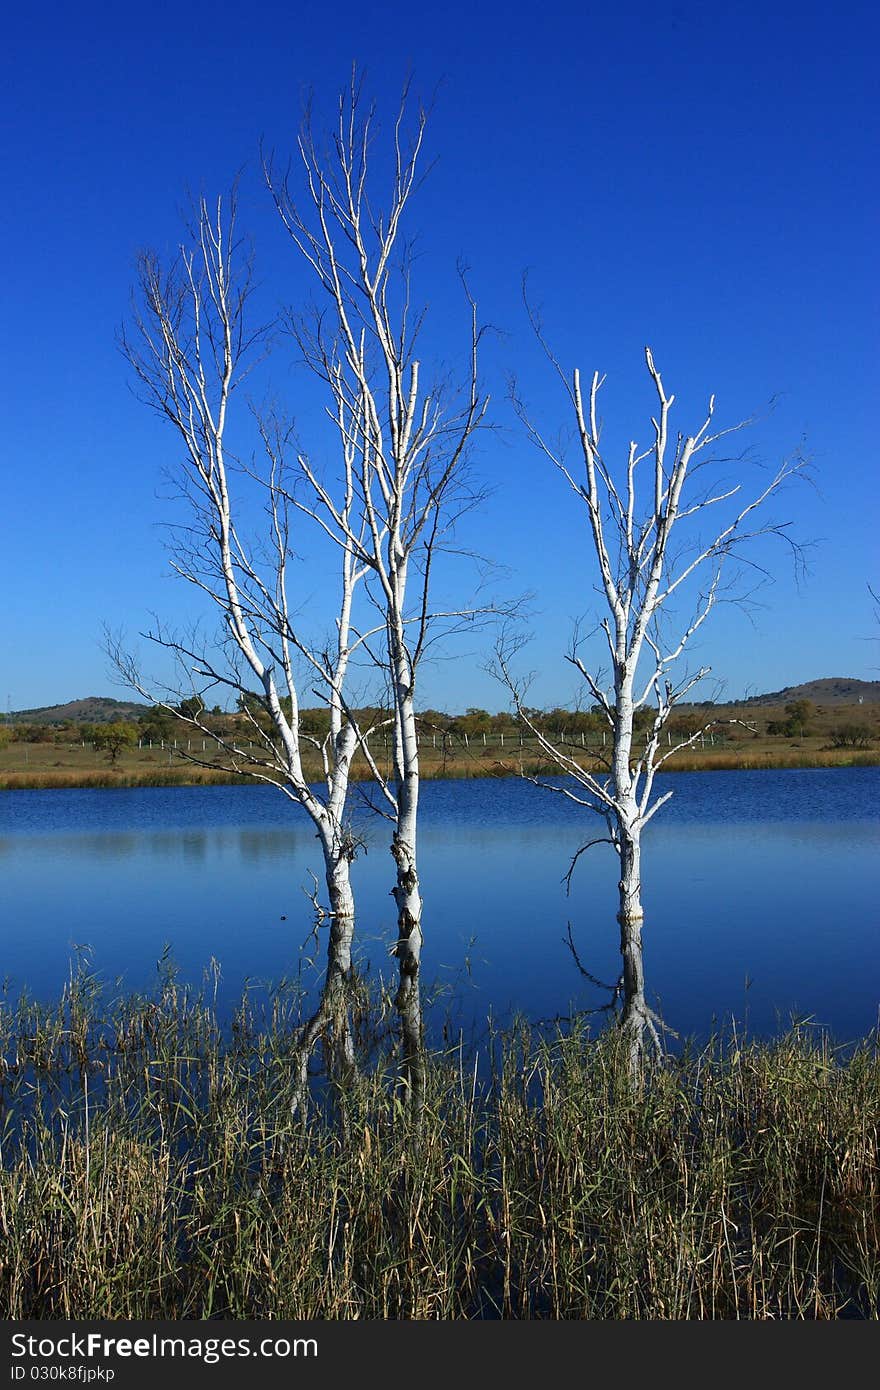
x=150, y=1169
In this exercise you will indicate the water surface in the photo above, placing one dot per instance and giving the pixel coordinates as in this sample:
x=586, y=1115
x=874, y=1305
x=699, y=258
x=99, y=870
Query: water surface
x=760, y=891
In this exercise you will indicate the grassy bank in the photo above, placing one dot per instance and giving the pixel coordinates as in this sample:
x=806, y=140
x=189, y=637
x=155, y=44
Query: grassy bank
x=43, y=766
x=150, y=1170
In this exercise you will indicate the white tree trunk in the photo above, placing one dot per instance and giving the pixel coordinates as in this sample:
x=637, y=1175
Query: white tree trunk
x=332, y=1018
x=339, y=964
x=409, y=903
x=635, y=1018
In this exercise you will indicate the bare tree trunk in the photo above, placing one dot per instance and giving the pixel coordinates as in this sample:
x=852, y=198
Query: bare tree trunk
x=339, y=967
x=332, y=1017
x=635, y=1017
x=408, y=948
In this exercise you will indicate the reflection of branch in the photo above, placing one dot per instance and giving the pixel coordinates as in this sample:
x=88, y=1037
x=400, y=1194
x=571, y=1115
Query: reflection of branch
x=319, y=917
x=614, y=990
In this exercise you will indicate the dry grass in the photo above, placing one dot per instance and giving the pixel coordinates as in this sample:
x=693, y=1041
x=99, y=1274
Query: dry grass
x=35, y=766
x=150, y=1169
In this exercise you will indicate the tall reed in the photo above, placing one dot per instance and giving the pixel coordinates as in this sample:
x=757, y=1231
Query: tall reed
x=150, y=1169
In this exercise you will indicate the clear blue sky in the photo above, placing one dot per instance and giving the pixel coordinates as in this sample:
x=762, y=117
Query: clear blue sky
x=701, y=178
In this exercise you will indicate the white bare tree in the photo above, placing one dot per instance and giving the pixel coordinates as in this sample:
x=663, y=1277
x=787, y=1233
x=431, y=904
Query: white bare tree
x=409, y=435
x=190, y=347
x=661, y=531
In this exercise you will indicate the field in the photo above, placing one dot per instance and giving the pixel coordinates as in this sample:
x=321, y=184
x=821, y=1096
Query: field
x=62, y=762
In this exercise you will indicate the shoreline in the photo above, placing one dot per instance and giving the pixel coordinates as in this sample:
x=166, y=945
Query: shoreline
x=109, y=779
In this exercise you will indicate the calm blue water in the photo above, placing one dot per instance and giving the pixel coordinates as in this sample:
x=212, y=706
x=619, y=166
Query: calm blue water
x=761, y=891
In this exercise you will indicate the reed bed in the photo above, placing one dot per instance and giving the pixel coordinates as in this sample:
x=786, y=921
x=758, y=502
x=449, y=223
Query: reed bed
x=137, y=770
x=151, y=1169
x=109, y=778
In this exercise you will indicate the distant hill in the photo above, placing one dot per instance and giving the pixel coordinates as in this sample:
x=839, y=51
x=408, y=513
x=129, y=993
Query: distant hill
x=829, y=693
x=834, y=690
x=94, y=709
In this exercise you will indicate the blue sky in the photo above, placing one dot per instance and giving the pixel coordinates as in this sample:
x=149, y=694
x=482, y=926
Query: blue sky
x=699, y=179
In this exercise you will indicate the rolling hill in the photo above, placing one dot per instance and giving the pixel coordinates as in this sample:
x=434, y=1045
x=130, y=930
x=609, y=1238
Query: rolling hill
x=828, y=693
x=94, y=709
x=831, y=691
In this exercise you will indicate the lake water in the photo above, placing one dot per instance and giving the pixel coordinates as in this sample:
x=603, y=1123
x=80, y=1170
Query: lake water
x=761, y=893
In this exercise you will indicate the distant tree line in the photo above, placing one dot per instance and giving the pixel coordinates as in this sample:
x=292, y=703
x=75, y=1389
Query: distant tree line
x=159, y=726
